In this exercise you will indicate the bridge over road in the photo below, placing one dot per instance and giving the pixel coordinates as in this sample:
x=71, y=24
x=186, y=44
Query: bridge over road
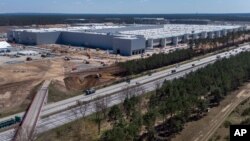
x=25, y=131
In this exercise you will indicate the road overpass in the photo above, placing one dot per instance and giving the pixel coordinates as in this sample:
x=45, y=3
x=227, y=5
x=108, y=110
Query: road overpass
x=26, y=129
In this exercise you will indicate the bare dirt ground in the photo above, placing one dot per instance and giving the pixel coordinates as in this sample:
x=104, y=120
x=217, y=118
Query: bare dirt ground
x=92, y=55
x=239, y=116
x=91, y=78
x=17, y=81
x=203, y=129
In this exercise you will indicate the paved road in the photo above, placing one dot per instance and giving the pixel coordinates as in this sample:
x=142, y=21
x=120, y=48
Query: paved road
x=25, y=130
x=148, y=82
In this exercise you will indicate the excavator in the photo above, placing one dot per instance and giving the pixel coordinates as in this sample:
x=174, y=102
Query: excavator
x=88, y=55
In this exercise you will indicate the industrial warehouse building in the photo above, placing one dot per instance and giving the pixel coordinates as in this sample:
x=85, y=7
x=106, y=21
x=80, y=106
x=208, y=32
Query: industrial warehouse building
x=126, y=40
x=4, y=46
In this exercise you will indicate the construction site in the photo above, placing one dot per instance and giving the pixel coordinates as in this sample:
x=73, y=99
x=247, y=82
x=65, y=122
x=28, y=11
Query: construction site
x=73, y=69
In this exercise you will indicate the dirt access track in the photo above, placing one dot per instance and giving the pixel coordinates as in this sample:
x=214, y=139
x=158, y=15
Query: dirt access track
x=203, y=129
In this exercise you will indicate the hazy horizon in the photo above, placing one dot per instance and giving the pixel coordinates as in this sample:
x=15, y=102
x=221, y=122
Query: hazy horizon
x=125, y=7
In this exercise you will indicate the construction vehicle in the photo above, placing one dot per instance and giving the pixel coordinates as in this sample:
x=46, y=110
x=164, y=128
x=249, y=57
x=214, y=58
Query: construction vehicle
x=66, y=58
x=90, y=91
x=43, y=55
x=87, y=62
x=88, y=55
x=28, y=59
x=98, y=75
x=74, y=68
x=103, y=64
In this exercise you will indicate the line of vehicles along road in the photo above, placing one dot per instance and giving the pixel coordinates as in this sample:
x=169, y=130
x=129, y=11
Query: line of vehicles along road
x=92, y=90
x=17, y=119
x=217, y=57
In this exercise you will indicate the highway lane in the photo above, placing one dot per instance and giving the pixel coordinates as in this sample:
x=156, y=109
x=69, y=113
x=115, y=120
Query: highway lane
x=63, y=117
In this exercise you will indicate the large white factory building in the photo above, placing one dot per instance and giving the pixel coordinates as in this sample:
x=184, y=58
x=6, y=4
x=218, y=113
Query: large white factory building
x=122, y=39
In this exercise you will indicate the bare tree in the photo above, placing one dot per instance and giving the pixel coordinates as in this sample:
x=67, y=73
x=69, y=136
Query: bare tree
x=83, y=107
x=126, y=93
x=101, y=105
x=74, y=112
x=157, y=85
x=98, y=113
x=138, y=90
x=79, y=128
x=141, y=91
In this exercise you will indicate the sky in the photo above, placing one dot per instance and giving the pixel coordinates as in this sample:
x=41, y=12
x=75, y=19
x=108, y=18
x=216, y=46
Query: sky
x=125, y=6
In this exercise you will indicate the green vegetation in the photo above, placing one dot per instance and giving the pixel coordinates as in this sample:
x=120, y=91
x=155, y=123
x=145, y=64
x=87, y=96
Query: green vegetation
x=80, y=130
x=156, y=61
x=227, y=124
x=197, y=47
x=231, y=39
x=246, y=112
x=245, y=121
x=125, y=127
x=29, y=18
x=216, y=138
x=180, y=101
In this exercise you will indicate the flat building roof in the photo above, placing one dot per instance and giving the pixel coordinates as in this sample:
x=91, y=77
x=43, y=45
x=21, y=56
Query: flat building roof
x=133, y=30
x=171, y=30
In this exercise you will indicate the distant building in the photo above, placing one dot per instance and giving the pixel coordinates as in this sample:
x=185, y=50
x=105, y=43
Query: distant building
x=4, y=46
x=151, y=20
x=126, y=40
